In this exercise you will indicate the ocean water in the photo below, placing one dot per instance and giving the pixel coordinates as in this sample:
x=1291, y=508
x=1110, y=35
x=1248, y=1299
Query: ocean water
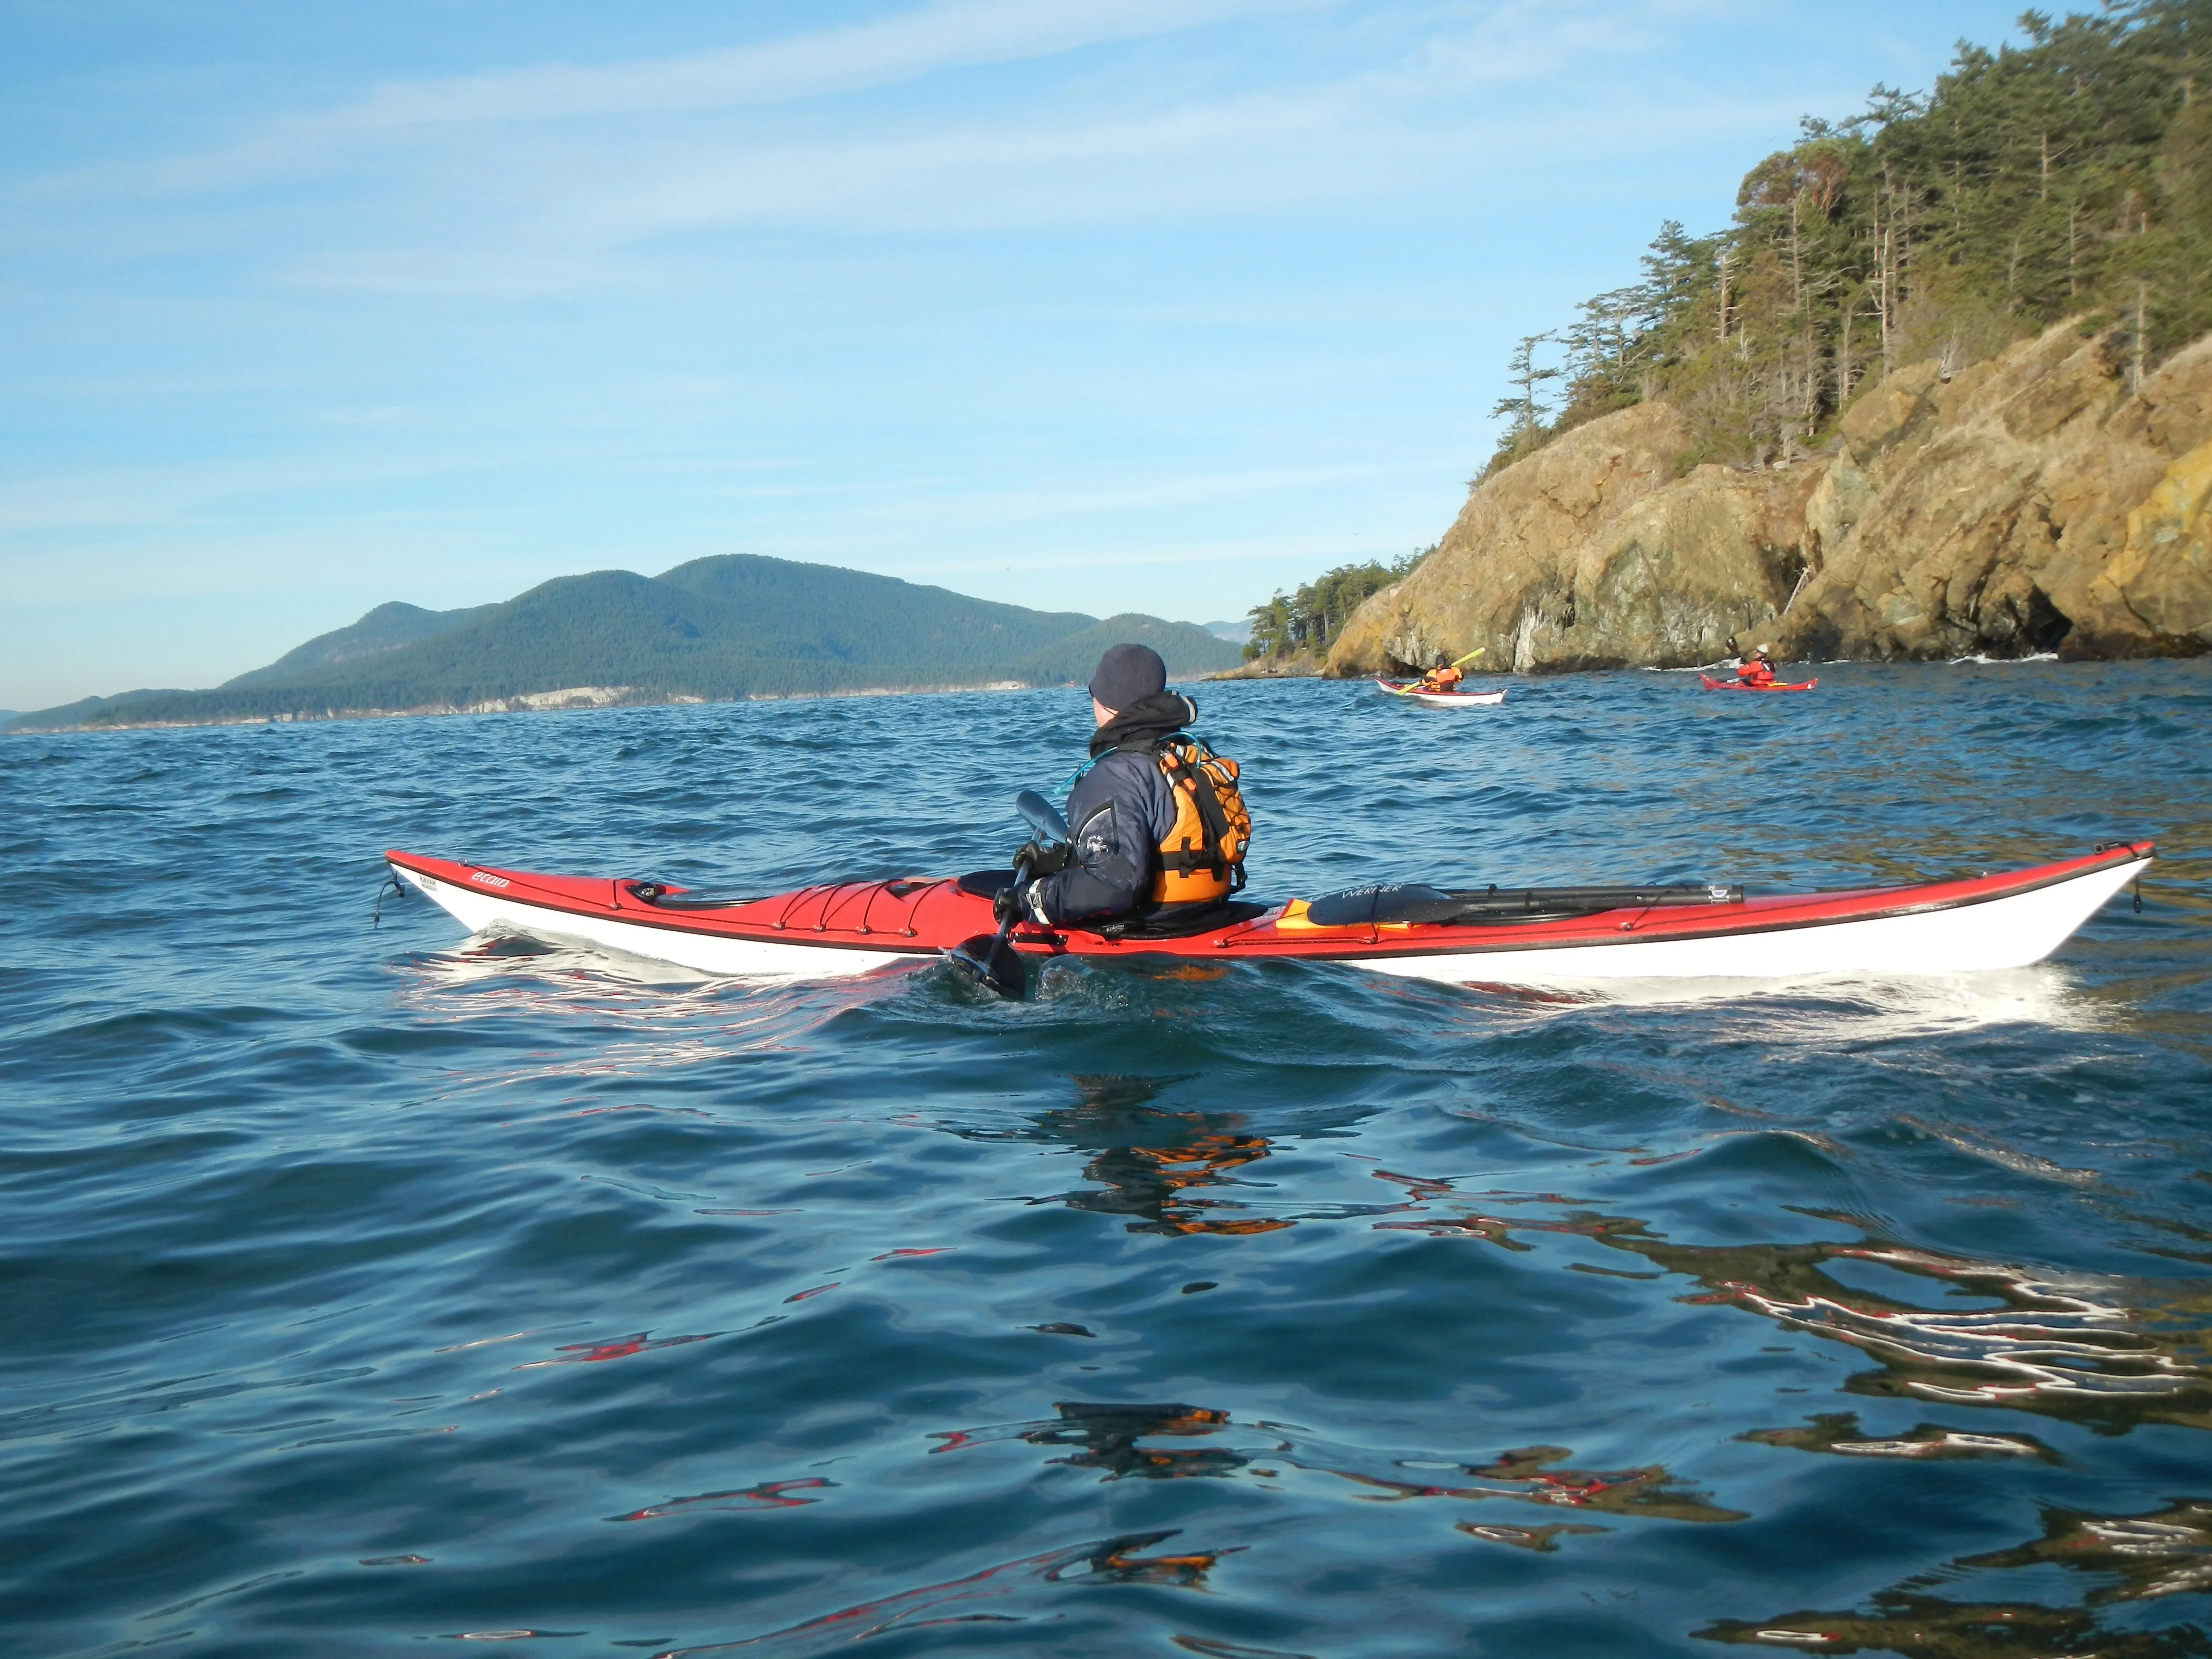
x=365, y=1286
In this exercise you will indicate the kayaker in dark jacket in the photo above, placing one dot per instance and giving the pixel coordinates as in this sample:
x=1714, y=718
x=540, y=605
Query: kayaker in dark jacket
x=1124, y=808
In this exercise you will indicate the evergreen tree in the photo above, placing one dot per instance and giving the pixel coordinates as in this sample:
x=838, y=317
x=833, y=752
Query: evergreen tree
x=2067, y=176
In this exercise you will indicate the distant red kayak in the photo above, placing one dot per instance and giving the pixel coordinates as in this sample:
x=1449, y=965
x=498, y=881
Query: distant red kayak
x=1712, y=684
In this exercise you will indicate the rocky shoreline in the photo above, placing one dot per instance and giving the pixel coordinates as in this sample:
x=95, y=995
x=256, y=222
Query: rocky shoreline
x=533, y=702
x=2036, y=502
x=1297, y=666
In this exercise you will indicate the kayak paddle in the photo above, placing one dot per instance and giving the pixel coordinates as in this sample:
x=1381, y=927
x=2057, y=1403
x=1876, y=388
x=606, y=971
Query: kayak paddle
x=993, y=961
x=1043, y=816
x=1408, y=691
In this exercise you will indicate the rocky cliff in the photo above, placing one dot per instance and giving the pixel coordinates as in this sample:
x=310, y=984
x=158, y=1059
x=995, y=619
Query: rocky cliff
x=2031, y=502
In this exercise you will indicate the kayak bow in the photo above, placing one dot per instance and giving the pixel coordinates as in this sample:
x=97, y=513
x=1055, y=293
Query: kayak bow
x=843, y=928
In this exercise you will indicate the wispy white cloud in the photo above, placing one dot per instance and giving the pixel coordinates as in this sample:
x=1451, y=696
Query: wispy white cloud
x=1460, y=106
x=561, y=178
x=930, y=39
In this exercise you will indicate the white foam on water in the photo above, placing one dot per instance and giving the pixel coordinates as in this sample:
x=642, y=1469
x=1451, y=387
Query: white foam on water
x=1846, y=1009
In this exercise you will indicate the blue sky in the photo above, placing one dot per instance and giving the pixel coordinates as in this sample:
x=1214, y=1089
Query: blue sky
x=1095, y=304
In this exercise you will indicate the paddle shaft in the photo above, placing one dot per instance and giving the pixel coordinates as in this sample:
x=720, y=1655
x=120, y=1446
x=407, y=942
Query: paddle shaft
x=1007, y=928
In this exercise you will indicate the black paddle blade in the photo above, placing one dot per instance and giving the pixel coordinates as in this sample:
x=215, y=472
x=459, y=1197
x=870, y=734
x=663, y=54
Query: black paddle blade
x=991, y=961
x=1043, y=816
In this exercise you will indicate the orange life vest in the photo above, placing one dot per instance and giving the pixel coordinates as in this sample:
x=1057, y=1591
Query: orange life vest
x=1441, y=679
x=1202, y=857
x=1755, y=673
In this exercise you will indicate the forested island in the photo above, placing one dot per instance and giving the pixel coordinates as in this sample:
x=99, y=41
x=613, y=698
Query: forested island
x=1942, y=386
x=733, y=627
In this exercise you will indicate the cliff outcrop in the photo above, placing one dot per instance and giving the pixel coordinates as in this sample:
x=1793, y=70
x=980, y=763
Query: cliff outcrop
x=2031, y=502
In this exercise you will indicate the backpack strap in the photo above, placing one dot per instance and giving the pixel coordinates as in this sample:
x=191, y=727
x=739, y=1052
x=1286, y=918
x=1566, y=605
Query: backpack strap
x=1175, y=755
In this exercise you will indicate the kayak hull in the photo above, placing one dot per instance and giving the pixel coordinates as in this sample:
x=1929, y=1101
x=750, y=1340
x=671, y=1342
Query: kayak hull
x=1411, y=691
x=1988, y=922
x=1712, y=684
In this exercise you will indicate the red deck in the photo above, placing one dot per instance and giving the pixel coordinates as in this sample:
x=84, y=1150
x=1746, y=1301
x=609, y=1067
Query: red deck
x=923, y=915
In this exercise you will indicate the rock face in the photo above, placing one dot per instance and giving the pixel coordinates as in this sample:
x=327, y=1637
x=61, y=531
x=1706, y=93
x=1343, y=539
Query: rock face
x=2032, y=503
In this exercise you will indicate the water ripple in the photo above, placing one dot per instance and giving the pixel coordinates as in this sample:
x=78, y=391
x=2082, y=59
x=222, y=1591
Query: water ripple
x=367, y=1286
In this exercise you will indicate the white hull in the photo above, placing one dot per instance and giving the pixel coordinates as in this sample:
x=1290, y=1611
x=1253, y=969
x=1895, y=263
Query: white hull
x=1450, y=699
x=483, y=912
x=2015, y=931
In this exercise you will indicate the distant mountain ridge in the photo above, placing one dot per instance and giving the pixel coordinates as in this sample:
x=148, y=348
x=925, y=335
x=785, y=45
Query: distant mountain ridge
x=388, y=628
x=731, y=627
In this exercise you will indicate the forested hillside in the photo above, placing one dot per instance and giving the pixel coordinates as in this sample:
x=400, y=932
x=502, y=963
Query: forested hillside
x=1942, y=388
x=2068, y=176
x=387, y=628
x=1308, y=620
x=715, y=629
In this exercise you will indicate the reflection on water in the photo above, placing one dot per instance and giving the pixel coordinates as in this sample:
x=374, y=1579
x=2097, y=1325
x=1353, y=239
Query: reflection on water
x=1525, y=1474
x=1831, y=1010
x=768, y=1495
x=2069, y=1347
x=647, y=1018
x=1013, y=1588
x=1174, y=1171
x=2138, y=1558
x=1108, y=1437
x=1838, y=1432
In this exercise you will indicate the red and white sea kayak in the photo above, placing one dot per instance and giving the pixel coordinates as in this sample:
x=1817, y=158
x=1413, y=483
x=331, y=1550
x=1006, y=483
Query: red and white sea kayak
x=1988, y=921
x=1412, y=689
x=1712, y=684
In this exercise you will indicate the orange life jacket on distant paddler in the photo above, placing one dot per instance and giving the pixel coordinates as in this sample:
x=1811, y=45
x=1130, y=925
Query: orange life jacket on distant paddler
x=1441, y=680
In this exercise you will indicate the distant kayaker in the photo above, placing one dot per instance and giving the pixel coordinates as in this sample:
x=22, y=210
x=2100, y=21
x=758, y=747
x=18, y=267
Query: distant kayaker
x=1159, y=827
x=1757, y=668
x=1443, y=675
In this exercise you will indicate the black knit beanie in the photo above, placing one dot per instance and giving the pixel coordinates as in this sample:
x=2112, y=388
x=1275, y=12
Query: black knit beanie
x=1127, y=674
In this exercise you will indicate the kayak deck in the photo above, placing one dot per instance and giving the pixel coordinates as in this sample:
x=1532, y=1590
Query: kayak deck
x=838, y=929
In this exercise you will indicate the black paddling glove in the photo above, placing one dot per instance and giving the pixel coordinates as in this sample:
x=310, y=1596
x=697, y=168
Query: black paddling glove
x=1042, y=861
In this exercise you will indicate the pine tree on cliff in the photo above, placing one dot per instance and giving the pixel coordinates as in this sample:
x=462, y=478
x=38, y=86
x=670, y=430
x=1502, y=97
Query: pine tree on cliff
x=1526, y=409
x=2070, y=175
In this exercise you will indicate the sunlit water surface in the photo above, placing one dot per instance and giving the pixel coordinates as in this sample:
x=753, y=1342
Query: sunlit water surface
x=364, y=1287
